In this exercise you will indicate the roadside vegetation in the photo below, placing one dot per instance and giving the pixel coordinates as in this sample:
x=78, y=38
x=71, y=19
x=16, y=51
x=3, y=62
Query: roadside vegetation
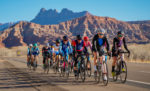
x=139, y=52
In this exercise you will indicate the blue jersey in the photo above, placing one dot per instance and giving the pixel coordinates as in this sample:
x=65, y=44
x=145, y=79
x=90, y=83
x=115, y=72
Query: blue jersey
x=35, y=51
x=66, y=48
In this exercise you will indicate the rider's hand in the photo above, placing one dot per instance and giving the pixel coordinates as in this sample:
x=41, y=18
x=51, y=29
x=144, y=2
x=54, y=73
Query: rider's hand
x=128, y=54
x=109, y=53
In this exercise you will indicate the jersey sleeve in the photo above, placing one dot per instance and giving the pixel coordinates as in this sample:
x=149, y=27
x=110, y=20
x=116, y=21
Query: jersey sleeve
x=93, y=43
x=125, y=45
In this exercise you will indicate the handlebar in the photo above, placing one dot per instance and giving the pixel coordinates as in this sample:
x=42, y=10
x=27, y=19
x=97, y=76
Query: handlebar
x=126, y=53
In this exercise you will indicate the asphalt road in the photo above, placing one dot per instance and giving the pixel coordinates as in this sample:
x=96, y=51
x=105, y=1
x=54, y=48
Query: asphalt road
x=14, y=76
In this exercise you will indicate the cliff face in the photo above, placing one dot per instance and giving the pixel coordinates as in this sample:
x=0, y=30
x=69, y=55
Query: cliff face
x=24, y=33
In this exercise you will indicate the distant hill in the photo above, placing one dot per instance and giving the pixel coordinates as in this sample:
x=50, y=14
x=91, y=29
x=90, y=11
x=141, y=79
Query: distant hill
x=52, y=16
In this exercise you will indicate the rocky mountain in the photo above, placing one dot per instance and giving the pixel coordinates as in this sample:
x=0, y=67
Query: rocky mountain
x=140, y=22
x=24, y=33
x=47, y=17
x=6, y=25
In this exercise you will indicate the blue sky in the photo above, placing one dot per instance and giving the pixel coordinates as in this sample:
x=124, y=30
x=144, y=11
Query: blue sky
x=126, y=10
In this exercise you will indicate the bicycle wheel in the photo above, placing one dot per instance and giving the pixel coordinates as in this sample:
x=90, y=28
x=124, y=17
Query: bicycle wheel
x=29, y=64
x=123, y=73
x=105, y=73
x=82, y=70
x=67, y=69
x=34, y=65
x=47, y=66
x=115, y=77
x=78, y=68
x=88, y=68
x=97, y=75
x=62, y=68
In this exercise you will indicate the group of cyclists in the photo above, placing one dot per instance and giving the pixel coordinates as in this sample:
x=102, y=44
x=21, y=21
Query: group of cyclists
x=81, y=45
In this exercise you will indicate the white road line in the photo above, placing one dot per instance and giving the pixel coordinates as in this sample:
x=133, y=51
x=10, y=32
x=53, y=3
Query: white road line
x=144, y=72
x=146, y=83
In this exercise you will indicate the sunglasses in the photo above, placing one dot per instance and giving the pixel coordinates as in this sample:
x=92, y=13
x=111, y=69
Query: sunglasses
x=101, y=34
x=120, y=35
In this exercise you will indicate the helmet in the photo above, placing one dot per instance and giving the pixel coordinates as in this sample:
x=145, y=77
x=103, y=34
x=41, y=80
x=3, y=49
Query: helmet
x=35, y=45
x=101, y=31
x=47, y=44
x=120, y=32
x=79, y=37
x=65, y=38
x=86, y=38
x=57, y=40
x=30, y=45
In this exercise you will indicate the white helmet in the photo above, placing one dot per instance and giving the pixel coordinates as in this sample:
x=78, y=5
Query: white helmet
x=47, y=44
x=101, y=31
x=30, y=45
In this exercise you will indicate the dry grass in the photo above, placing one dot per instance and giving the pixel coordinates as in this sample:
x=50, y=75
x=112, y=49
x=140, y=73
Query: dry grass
x=139, y=53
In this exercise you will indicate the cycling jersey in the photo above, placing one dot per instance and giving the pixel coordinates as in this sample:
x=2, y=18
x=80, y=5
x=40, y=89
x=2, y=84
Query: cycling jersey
x=56, y=49
x=79, y=47
x=117, y=45
x=99, y=44
x=46, y=51
x=66, y=48
x=29, y=51
x=88, y=44
x=36, y=51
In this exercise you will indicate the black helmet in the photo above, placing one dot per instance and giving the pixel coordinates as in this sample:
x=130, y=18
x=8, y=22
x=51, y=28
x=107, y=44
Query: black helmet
x=65, y=38
x=57, y=40
x=79, y=37
x=120, y=32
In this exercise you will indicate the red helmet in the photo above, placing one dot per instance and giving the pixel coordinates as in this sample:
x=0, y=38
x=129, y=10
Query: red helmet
x=86, y=38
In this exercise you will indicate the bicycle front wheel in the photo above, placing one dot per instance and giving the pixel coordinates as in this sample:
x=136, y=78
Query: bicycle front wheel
x=123, y=72
x=105, y=73
x=82, y=71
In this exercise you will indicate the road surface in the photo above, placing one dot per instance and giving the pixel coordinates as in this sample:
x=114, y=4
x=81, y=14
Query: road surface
x=14, y=76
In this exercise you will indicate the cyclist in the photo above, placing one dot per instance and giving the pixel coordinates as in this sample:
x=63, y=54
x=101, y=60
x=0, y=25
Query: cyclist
x=117, y=47
x=45, y=53
x=79, y=49
x=29, y=54
x=88, y=46
x=56, y=49
x=35, y=53
x=99, y=43
x=65, y=48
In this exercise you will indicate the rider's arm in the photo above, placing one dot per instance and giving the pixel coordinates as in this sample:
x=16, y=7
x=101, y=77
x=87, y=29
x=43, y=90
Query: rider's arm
x=42, y=51
x=60, y=48
x=125, y=45
x=114, y=44
x=107, y=44
x=93, y=43
x=70, y=47
x=38, y=51
x=85, y=48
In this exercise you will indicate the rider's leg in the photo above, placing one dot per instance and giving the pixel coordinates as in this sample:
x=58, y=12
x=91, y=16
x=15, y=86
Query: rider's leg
x=27, y=58
x=114, y=63
x=122, y=59
x=95, y=58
